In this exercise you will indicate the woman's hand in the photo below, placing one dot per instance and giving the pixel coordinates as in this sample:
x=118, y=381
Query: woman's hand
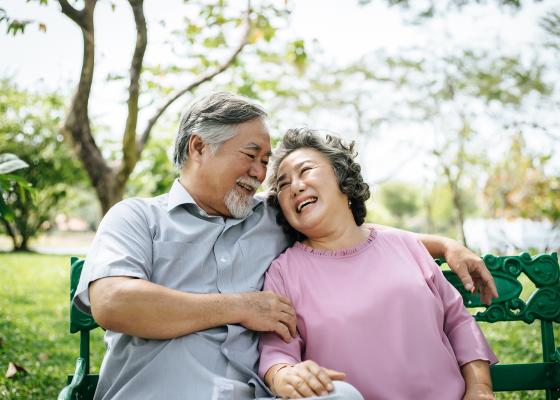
x=305, y=379
x=479, y=391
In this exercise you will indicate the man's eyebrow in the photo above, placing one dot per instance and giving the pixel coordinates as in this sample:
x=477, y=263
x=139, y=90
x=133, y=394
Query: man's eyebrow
x=256, y=147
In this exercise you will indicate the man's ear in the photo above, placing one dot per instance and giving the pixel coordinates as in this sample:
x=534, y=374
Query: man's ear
x=196, y=147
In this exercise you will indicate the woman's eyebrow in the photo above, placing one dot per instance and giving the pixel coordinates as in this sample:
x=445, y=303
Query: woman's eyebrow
x=297, y=166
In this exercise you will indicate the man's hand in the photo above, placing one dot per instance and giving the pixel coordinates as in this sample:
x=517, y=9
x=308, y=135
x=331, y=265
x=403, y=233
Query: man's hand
x=305, y=379
x=471, y=270
x=268, y=312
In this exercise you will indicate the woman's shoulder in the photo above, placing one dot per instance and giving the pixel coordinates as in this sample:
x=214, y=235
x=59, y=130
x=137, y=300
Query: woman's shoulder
x=288, y=257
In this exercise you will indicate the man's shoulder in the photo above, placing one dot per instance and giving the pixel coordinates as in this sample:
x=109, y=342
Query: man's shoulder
x=260, y=201
x=143, y=203
x=136, y=208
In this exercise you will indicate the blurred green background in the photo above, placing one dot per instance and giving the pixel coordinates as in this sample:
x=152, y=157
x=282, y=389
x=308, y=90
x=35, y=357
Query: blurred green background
x=453, y=105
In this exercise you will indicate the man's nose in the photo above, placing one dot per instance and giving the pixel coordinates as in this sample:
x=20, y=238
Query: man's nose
x=258, y=171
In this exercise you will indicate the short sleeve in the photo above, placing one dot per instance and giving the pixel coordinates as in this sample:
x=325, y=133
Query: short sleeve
x=122, y=247
x=273, y=349
x=464, y=334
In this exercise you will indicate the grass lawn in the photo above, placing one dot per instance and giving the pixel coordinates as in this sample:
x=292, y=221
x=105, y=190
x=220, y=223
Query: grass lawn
x=34, y=330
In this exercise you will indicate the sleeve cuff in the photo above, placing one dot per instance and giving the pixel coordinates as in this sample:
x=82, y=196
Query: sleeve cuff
x=469, y=344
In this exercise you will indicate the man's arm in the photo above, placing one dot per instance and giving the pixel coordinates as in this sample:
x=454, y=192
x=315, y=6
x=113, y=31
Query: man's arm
x=468, y=266
x=141, y=308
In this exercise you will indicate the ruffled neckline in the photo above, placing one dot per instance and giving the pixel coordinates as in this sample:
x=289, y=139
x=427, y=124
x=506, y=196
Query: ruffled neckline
x=340, y=252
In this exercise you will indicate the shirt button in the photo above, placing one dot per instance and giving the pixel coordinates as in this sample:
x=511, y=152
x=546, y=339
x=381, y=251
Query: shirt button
x=223, y=260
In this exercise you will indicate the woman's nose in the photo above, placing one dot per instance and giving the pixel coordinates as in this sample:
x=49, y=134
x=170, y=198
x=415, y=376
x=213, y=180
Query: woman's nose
x=297, y=186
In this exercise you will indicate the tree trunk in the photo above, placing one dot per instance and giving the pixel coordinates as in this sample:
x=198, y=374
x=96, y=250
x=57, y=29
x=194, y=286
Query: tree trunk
x=110, y=190
x=460, y=215
x=429, y=216
x=23, y=245
x=12, y=233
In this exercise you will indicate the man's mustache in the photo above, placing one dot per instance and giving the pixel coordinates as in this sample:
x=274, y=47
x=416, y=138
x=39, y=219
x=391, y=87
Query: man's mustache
x=252, y=182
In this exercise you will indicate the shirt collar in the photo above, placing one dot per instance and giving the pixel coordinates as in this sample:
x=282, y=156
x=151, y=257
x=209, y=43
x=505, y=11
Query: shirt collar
x=178, y=195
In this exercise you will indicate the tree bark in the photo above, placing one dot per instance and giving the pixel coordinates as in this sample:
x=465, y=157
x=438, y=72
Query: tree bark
x=77, y=126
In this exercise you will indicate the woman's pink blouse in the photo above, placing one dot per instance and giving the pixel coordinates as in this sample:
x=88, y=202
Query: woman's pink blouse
x=381, y=312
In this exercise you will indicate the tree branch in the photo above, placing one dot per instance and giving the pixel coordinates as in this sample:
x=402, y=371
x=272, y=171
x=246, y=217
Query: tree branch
x=74, y=14
x=77, y=127
x=130, y=155
x=204, y=78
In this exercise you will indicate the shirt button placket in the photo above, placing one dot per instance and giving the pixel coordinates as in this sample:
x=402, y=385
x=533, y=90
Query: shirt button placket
x=223, y=259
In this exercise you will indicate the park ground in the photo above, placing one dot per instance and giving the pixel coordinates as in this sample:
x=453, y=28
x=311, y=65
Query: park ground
x=34, y=329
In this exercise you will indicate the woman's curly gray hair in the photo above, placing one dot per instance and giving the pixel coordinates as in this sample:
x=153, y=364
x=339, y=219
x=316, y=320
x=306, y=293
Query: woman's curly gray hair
x=342, y=158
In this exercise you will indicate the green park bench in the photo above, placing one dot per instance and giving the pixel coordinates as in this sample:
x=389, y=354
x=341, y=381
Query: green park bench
x=543, y=305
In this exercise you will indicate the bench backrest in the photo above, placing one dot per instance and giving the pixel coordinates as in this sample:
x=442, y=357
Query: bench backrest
x=542, y=305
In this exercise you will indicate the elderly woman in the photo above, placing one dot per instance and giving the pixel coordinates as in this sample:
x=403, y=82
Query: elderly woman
x=372, y=306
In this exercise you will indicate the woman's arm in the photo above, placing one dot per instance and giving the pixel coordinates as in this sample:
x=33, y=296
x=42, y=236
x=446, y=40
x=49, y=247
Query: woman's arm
x=478, y=385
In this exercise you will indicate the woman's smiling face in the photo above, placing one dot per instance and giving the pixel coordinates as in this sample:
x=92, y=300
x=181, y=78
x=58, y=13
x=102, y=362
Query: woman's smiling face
x=308, y=191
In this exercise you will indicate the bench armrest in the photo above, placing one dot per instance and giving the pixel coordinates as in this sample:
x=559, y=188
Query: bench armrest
x=79, y=373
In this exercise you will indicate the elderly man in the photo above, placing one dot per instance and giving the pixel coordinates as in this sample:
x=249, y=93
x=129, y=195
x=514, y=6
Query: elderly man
x=175, y=279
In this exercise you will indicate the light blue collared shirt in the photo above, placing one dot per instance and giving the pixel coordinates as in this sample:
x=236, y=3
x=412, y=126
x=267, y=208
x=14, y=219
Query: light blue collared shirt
x=170, y=241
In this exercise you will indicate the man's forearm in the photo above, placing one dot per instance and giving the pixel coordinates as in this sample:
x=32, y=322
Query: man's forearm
x=436, y=245
x=144, y=309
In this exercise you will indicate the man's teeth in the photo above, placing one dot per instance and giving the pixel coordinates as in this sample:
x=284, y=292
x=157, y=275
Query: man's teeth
x=305, y=203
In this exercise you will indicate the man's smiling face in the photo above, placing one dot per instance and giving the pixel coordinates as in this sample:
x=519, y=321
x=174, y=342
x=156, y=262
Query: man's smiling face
x=234, y=172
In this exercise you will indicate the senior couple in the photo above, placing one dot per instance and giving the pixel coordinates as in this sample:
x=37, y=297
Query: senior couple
x=348, y=310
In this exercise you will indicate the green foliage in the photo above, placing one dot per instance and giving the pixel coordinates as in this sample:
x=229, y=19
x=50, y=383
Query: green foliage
x=211, y=31
x=29, y=127
x=519, y=186
x=155, y=173
x=10, y=182
x=551, y=25
x=401, y=199
x=16, y=26
x=420, y=11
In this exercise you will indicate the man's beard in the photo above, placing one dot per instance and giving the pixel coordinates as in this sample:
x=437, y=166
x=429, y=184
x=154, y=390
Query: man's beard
x=238, y=204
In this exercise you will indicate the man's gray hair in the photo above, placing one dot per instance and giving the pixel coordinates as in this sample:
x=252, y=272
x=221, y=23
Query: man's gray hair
x=214, y=118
